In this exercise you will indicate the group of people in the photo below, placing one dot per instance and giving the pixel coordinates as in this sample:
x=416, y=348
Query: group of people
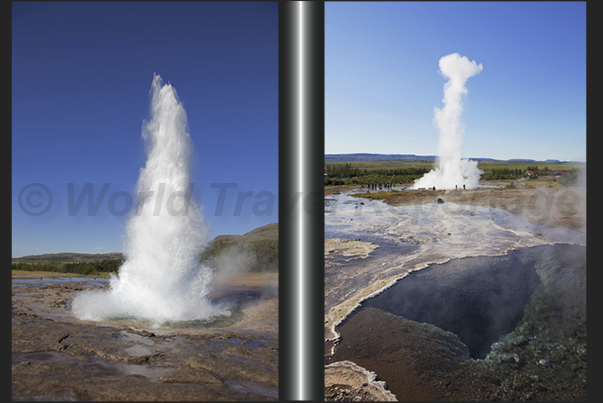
x=381, y=186
x=389, y=186
x=456, y=187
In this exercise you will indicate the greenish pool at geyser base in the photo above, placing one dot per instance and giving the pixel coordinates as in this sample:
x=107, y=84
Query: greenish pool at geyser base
x=211, y=322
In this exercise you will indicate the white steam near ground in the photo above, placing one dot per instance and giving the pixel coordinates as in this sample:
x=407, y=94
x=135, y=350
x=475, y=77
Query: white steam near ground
x=234, y=260
x=452, y=171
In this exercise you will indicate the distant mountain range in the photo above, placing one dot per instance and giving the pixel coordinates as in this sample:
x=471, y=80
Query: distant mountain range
x=414, y=157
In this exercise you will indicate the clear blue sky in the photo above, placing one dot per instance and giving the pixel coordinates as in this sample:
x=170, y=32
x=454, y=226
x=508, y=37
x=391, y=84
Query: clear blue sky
x=81, y=75
x=382, y=81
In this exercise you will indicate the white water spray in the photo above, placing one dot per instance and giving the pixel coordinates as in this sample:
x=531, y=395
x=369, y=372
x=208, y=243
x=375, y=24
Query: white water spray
x=161, y=279
x=452, y=170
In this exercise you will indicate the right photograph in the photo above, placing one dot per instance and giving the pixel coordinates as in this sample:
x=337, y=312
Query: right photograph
x=455, y=201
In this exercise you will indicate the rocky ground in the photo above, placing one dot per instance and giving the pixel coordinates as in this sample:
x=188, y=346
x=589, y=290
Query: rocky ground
x=57, y=357
x=552, y=206
x=348, y=381
x=543, y=358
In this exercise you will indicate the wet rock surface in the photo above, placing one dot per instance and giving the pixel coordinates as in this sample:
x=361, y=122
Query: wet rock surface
x=348, y=381
x=57, y=357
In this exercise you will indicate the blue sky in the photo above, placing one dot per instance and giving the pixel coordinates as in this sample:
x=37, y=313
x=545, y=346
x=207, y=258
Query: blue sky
x=81, y=75
x=382, y=81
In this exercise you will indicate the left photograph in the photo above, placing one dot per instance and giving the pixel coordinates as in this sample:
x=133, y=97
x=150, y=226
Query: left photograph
x=145, y=201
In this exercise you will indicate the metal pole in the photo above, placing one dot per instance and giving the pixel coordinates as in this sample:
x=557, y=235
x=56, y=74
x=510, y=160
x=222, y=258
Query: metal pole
x=301, y=195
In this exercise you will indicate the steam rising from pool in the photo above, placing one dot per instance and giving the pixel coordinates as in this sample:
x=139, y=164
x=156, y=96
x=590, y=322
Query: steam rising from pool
x=161, y=280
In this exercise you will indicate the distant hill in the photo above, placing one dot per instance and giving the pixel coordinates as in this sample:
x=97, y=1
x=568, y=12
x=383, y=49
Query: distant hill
x=261, y=242
x=379, y=157
x=267, y=232
x=67, y=257
x=413, y=157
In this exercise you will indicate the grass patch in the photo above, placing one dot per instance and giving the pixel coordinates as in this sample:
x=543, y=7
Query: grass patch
x=375, y=195
x=356, y=173
x=94, y=268
x=375, y=165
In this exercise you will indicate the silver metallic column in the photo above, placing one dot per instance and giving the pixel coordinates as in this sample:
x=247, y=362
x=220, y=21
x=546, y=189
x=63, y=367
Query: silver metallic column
x=301, y=195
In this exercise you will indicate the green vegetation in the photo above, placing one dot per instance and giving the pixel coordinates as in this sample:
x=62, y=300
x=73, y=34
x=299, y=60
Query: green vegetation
x=502, y=173
x=524, y=166
x=68, y=257
x=348, y=174
x=570, y=178
x=365, y=172
x=86, y=264
x=84, y=268
x=565, y=179
x=389, y=164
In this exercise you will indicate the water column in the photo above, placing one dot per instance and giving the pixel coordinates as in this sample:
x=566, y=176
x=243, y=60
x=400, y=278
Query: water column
x=161, y=280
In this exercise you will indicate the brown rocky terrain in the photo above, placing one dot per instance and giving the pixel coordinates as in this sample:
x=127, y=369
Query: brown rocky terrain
x=57, y=357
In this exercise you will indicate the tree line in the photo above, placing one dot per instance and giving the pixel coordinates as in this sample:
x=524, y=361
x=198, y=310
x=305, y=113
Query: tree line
x=84, y=268
x=502, y=173
x=512, y=173
x=347, y=174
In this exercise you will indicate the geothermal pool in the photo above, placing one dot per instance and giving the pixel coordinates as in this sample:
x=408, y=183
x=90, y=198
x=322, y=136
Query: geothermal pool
x=480, y=299
x=445, y=292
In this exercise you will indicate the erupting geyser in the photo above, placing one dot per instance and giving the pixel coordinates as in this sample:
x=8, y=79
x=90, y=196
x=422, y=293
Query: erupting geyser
x=452, y=170
x=161, y=279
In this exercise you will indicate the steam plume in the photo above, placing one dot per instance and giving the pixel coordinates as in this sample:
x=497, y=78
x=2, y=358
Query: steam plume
x=452, y=170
